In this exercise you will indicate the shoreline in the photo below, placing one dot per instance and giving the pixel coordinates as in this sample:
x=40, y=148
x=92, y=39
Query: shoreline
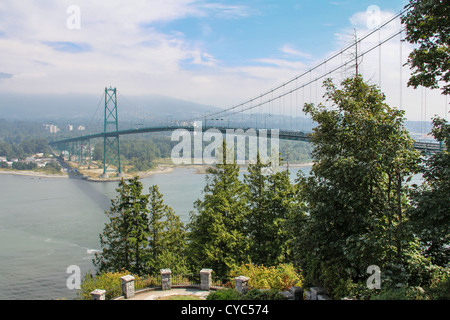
x=35, y=174
x=160, y=169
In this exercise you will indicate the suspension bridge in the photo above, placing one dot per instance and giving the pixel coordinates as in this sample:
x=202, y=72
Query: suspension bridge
x=364, y=56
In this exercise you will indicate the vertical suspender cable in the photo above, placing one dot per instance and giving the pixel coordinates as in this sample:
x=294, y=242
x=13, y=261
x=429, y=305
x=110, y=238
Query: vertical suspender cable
x=401, y=72
x=296, y=105
x=379, y=57
x=425, y=103
x=446, y=106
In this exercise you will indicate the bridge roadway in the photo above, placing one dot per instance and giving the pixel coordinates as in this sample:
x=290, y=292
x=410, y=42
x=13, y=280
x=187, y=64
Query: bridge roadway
x=282, y=134
x=428, y=147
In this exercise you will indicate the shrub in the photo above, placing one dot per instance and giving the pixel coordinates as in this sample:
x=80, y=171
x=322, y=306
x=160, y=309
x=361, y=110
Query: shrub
x=109, y=281
x=254, y=294
x=280, y=278
x=224, y=294
x=440, y=287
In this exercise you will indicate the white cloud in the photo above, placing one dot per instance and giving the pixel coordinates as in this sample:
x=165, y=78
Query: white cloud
x=289, y=50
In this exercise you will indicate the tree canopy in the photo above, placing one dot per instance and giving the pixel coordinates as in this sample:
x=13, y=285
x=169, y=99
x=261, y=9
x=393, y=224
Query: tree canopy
x=356, y=192
x=428, y=26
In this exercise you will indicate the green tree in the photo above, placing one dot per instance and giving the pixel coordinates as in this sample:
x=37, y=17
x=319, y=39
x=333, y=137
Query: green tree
x=52, y=167
x=271, y=203
x=356, y=191
x=429, y=215
x=217, y=233
x=428, y=26
x=167, y=236
x=125, y=237
x=143, y=234
x=258, y=203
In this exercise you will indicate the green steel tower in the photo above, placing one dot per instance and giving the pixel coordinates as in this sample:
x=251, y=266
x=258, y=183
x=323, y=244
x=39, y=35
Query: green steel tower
x=111, y=146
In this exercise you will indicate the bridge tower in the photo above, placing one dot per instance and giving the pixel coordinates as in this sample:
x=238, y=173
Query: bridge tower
x=111, y=145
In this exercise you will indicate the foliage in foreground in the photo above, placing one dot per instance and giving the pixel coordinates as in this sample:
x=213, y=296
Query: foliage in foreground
x=280, y=277
x=253, y=294
x=109, y=281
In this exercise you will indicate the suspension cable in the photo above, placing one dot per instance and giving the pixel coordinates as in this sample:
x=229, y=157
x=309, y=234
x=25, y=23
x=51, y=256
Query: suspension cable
x=311, y=69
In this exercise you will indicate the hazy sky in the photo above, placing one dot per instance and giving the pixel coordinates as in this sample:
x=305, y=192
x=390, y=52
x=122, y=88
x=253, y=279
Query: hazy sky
x=211, y=52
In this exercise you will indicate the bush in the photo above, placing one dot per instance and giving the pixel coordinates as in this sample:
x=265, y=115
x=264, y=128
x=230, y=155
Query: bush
x=52, y=167
x=109, y=281
x=280, y=278
x=224, y=294
x=254, y=294
x=24, y=166
x=440, y=287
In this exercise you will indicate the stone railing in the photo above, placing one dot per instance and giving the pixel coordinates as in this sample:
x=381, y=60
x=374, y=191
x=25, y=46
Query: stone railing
x=241, y=285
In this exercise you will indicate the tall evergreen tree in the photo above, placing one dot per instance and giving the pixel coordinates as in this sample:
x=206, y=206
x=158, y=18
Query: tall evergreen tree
x=258, y=203
x=217, y=233
x=124, y=238
x=143, y=234
x=167, y=236
x=271, y=204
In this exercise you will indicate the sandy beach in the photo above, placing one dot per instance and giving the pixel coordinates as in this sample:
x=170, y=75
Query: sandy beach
x=94, y=174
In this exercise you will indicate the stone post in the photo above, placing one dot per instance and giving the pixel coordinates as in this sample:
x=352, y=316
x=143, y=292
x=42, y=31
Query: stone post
x=98, y=294
x=205, y=279
x=297, y=292
x=166, y=283
x=127, y=286
x=315, y=292
x=242, y=284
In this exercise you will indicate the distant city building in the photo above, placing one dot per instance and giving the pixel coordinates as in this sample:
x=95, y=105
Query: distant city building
x=51, y=128
x=81, y=128
x=69, y=127
x=54, y=129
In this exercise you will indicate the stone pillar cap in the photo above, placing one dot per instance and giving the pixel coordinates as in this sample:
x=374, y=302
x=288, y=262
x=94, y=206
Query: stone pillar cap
x=127, y=278
x=242, y=278
x=166, y=271
x=98, y=292
x=206, y=270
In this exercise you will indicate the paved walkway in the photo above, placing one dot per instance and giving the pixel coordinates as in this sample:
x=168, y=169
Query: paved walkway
x=154, y=295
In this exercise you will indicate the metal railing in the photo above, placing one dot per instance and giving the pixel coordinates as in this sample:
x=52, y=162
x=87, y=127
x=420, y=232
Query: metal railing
x=114, y=292
x=219, y=283
x=148, y=282
x=185, y=280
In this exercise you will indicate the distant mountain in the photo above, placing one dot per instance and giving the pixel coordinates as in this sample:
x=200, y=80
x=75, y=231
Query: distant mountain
x=83, y=107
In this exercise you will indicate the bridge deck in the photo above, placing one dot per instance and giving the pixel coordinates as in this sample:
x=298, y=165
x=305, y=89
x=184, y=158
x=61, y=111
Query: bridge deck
x=429, y=147
x=282, y=134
